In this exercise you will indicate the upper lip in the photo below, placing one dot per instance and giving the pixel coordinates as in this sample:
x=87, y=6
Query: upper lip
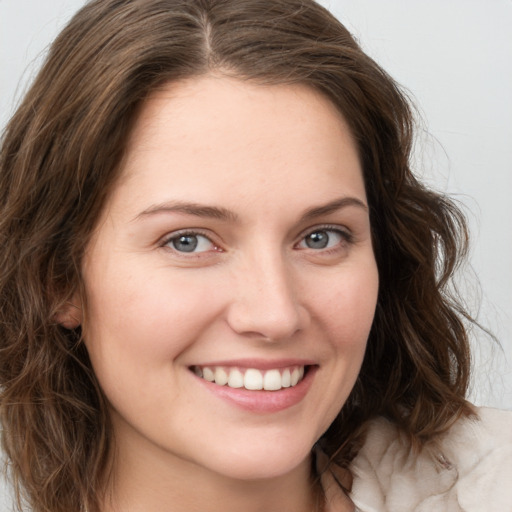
x=259, y=364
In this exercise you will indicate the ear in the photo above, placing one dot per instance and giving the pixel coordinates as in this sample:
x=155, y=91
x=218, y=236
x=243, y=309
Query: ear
x=70, y=313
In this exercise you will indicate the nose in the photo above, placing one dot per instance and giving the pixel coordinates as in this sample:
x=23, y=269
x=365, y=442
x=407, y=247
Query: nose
x=266, y=302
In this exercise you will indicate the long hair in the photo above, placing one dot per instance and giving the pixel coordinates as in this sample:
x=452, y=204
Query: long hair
x=60, y=158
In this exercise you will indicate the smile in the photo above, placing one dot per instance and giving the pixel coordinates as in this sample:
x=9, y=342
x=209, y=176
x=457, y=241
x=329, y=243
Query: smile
x=251, y=378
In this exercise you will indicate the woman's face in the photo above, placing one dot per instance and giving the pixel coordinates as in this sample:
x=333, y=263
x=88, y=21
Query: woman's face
x=236, y=247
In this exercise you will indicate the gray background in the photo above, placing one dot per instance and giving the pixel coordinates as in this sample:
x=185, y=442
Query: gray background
x=455, y=59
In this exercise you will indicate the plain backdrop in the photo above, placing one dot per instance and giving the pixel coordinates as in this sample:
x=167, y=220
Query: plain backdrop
x=454, y=57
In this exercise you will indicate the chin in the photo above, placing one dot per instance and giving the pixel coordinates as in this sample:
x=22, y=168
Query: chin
x=252, y=463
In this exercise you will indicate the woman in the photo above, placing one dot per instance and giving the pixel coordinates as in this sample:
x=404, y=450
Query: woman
x=221, y=285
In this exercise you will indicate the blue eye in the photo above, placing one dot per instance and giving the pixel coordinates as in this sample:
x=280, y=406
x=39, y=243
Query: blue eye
x=322, y=239
x=190, y=243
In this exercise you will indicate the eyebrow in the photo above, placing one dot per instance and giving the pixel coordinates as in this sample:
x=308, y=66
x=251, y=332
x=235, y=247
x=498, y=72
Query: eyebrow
x=196, y=209
x=333, y=206
x=219, y=213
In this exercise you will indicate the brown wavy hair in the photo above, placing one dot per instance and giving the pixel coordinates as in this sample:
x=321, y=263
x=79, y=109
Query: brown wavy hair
x=60, y=158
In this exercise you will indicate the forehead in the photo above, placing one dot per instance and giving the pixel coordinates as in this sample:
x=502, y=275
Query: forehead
x=214, y=134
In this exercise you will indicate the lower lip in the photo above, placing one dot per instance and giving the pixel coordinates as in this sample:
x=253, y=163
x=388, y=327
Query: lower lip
x=263, y=401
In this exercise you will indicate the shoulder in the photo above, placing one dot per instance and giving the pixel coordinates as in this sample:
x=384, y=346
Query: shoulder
x=469, y=468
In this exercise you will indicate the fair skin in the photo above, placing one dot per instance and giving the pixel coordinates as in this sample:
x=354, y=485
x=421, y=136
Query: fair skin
x=235, y=245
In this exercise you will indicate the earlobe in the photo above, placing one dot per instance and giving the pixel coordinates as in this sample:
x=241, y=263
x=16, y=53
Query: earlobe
x=70, y=314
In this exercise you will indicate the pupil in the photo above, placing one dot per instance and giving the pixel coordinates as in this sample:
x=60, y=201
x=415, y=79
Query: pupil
x=185, y=243
x=317, y=240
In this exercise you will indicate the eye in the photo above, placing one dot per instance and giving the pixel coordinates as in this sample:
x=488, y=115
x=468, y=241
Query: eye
x=190, y=243
x=323, y=239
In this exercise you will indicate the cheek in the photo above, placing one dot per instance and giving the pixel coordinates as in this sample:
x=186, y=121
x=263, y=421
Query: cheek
x=347, y=304
x=136, y=330
x=345, y=310
x=134, y=321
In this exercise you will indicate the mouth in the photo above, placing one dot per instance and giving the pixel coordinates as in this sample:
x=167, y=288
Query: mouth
x=252, y=379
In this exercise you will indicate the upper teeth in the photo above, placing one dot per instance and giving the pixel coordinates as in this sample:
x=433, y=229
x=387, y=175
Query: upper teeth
x=251, y=378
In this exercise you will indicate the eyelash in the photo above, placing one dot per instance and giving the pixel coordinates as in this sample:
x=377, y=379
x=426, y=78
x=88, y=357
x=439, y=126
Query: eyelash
x=165, y=243
x=347, y=238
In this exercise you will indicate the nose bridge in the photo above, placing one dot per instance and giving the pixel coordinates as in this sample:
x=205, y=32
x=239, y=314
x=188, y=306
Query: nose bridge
x=266, y=302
